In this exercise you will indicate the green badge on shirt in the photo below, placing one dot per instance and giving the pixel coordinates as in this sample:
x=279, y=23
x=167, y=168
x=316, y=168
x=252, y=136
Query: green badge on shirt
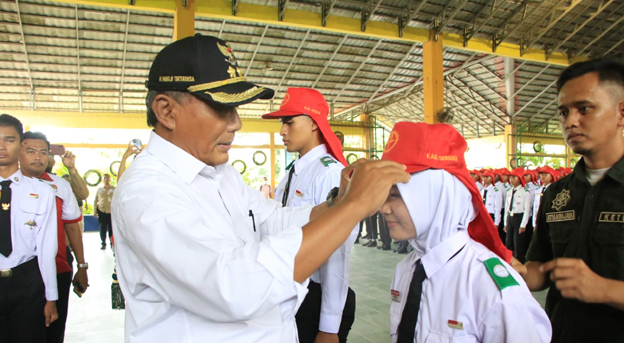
x=326, y=160
x=499, y=273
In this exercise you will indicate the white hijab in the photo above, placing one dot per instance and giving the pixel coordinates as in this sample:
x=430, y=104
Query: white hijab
x=440, y=206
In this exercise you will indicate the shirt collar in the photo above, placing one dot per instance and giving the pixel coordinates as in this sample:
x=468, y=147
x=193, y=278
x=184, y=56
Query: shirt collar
x=16, y=177
x=180, y=161
x=46, y=176
x=616, y=172
x=315, y=153
x=441, y=253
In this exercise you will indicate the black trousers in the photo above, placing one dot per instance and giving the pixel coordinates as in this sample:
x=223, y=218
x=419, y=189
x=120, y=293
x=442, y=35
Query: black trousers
x=22, y=299
x=309, y=314
x=501, y=227
x=55, y=333
x=104, y=219
x=516, y=241
x=384, y=231
x=371, y=226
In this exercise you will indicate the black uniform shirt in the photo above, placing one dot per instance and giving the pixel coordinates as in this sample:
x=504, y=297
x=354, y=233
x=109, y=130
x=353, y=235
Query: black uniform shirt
x=577, y=220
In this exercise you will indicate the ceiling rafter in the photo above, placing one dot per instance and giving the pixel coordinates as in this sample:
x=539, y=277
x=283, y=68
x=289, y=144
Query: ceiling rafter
x=123, y=60
x=326, y=64
x=370, y=53
x=460, y=107
x=23, y=40
x=491, y=109
x=488, y=112
x=536, y=97
x=551, y=23
x=409, y=53
x=367, y=12
x=578, y=28
x=266, y=28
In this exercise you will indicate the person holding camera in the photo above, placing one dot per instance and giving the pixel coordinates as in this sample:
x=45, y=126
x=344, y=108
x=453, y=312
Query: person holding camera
x=33, y=161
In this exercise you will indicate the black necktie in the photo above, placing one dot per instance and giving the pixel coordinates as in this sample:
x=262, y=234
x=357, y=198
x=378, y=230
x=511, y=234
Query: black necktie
x=5, y=219
x=484, y=196
x=287, y=187
x=407, y=326
x=511, y=202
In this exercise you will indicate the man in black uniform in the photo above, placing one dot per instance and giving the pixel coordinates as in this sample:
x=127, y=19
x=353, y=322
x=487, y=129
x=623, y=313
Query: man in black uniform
x=578, y=245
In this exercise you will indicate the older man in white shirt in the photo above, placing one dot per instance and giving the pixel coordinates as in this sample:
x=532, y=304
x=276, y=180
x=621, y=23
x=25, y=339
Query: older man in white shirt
x=201, y=256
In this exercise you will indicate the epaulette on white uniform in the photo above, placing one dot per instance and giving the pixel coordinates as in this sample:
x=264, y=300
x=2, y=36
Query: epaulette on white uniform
x=327, y=160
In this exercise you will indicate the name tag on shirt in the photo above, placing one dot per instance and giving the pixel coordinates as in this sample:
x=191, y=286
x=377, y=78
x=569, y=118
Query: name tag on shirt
x=396, y=295
x=453, y=324
x=611, y=217
x=564, y=216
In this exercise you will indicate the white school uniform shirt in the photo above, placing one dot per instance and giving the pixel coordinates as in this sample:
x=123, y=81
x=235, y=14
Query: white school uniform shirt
x=522, y=204
x=537, y=199
x=62, y=189
x=461, y=292
x=310, y=184
x=493, y=202
x=480, y=186
x=201, y=256
x=33, y=229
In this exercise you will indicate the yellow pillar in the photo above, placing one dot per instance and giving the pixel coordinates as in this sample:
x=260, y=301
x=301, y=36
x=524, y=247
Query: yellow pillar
x=433, y=78
x=510, y=141
x=184, y=19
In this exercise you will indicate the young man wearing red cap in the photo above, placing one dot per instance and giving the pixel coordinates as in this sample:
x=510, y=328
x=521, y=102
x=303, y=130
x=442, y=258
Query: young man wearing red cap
x=547, y=177
x=476, y=176
x=517, y=215
x=202, y=256
x=328, y=311
x=492, y=198
x=578, y=247
x=456, y=285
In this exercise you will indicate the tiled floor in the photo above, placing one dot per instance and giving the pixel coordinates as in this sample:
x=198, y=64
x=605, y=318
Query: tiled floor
x=92, y=320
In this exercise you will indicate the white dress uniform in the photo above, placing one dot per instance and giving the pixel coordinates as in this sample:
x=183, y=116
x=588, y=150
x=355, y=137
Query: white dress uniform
x=33, y=229
x=522, y=205
x=493, y=202
x=62, y=189
x=201, y=256
x=537, y=199
x=462, y=301
x=316, y=173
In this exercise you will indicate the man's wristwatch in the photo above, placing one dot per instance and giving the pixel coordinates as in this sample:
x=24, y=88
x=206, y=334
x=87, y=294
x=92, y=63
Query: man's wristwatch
x=83, y=265
x=331, y=196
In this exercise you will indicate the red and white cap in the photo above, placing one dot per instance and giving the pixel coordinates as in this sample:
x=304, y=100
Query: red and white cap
x=421, y=146
x=310, y=102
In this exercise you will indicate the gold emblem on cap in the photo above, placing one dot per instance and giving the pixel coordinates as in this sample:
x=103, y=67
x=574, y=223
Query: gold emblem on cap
x=286, y=98
x=392, y=141
x=5, y=207
x=226, y=98
x=226, y=50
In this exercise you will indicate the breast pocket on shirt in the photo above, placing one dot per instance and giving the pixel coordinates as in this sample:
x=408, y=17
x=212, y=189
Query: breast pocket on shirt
x=300, y=198
x=437, y=337
x=610, y=236
x=560, y=234
x=31, y=215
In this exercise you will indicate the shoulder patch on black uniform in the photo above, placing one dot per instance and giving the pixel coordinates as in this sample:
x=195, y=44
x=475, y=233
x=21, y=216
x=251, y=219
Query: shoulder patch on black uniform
x=326, y=160
x=501, y=276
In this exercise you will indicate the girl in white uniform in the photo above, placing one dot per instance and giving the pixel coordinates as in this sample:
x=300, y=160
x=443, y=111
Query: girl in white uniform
x=469, y=294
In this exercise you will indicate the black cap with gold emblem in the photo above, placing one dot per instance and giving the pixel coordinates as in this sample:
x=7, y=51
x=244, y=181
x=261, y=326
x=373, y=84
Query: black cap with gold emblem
x=206, y=67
